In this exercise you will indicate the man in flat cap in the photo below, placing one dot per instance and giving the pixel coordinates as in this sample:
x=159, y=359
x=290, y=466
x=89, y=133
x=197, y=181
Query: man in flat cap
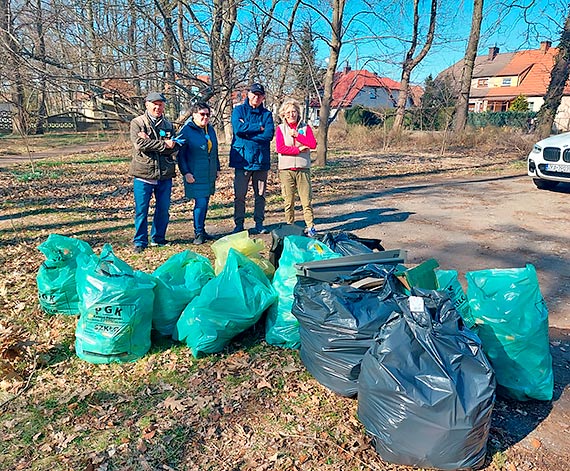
x=250, y=155
x=153, y=166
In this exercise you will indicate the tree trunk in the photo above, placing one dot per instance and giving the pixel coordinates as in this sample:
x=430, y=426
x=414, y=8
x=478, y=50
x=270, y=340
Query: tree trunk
x=225, y=17
x=42, y=110
x=284, y=67
x=132, y=49
x=11, y=49
x=324, y=114
x=402, y=99
x=462, y=103
x=411, y=62
x=558, y=79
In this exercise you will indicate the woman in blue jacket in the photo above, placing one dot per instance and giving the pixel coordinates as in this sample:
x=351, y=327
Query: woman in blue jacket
x=199, y=165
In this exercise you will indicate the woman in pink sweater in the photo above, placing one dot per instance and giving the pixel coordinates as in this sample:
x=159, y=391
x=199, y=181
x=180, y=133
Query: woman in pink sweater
x=294, y=141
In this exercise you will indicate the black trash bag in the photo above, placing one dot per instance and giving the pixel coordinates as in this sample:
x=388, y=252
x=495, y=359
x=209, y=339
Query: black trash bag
x=346, y=243
x=426, y=389
x=338, y=322
x=277, y=236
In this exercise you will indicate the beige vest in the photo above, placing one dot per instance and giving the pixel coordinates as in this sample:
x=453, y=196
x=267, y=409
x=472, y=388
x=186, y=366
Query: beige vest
x=302, y=160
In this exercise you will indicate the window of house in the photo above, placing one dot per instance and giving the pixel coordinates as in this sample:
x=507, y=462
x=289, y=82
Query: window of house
x=373, y=94
x=482, y=83
x=498, y=106
x=506, y=82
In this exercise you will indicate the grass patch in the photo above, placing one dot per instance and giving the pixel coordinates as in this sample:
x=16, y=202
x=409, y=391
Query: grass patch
x=38, y=174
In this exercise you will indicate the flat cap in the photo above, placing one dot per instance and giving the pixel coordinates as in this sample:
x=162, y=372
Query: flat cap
x=155, y=96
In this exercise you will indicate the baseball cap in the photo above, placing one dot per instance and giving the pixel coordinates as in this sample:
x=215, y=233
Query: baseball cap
x=257, y=88
x=155, y=96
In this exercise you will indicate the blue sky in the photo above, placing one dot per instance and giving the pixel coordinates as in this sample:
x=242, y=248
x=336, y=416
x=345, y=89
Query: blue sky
x=523, y=26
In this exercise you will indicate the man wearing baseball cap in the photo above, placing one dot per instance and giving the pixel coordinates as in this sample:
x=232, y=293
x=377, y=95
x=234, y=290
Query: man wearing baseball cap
x=250, y=155
x=153, y=166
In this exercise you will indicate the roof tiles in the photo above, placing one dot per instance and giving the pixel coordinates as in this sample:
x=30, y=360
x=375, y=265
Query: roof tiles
x=532, y=69
x=348, y=84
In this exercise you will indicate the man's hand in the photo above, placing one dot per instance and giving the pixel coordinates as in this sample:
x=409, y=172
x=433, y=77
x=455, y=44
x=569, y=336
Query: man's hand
x=169, y=143
x=189, y=178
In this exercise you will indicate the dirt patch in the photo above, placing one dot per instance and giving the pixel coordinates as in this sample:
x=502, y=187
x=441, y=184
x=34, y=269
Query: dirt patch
x=9, y=159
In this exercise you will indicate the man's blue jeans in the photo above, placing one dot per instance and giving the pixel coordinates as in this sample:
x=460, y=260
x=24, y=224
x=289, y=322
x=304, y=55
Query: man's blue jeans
x=143, y=192
x=200, y=211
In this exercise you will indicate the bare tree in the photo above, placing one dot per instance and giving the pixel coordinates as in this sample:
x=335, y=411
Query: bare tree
x=164, y=8
x=462, y=103
x=558, y=79
x=285, y=62
x=218, y=39
x=410, y=62
x=262, y=36
x=132, y=46
x=11, y=53
x=335, y=43
x=225, y=17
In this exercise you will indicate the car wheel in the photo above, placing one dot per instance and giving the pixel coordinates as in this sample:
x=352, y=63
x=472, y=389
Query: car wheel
x=544, y=184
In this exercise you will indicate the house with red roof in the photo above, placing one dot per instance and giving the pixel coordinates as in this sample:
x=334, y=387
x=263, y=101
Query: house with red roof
x=367, y=89
x=498, y=78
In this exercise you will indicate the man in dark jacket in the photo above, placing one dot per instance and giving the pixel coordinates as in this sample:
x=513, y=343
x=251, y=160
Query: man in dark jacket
x=153, y=165
x=250, y=155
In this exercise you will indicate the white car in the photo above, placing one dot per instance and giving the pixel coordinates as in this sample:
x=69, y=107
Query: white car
x=549, y=161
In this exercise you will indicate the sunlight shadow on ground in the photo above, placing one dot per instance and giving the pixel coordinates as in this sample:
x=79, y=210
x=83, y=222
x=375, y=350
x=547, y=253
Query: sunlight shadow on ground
x=362, y=219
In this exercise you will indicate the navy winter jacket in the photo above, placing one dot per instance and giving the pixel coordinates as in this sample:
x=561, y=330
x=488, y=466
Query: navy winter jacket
x=194, y=158
x=250, y=148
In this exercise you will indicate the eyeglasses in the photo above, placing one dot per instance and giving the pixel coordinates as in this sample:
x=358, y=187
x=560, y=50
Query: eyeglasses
x=291, y=112
x=204, y=114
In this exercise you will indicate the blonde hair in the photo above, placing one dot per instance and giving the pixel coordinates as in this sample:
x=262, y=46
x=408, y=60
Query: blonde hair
x=288, y=103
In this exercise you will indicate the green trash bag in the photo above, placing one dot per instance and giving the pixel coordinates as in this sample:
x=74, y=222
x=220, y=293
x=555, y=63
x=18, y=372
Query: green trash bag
x=57, y=290
x=281, y=326
x=448, y=281
x=511, y=320
x=228, y=305
x=178, y=280
x=115, y=310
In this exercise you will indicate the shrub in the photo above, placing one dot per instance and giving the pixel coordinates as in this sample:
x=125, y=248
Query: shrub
x=515, y=119
x=359, y=115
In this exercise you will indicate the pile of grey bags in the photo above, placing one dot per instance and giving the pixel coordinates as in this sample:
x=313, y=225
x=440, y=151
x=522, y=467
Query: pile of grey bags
x=425, y=388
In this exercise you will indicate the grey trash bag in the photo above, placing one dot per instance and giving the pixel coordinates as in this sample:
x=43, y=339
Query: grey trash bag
x=426, y=389
x=346, y=243
x=338, y=323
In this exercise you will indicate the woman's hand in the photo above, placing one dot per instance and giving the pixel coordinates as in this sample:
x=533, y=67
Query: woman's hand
x=189, y=178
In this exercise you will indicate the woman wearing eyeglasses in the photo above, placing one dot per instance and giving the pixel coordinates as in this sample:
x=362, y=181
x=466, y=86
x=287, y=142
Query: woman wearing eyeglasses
x=294, y=141
x=199, y=165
